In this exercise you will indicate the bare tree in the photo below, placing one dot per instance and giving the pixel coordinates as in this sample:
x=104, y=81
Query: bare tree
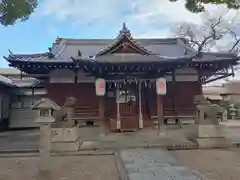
x=216, y=33
x=211, y=34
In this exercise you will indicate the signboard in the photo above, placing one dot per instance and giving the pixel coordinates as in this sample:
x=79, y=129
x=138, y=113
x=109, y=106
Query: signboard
x=100, y=86
x=161, y=86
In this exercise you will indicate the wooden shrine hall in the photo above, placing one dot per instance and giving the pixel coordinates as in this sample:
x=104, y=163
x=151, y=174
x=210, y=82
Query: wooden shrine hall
x=130, y=68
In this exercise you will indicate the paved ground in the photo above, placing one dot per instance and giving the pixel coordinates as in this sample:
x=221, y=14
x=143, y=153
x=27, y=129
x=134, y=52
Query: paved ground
x=214, y=164
x=151, y=164
x=64, y=168
x=155, y=165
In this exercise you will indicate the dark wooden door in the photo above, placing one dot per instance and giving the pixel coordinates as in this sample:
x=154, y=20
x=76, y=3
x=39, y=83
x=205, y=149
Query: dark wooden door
x=128, y=107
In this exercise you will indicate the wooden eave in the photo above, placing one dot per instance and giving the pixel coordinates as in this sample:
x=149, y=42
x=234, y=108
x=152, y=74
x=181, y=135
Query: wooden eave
x=31, y=67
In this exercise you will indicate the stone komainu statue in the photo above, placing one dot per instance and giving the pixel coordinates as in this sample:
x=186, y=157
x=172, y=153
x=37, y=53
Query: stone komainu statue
x=64, y=117
x=207, y=113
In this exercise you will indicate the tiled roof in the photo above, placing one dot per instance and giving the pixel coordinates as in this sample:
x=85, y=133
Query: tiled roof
x=215, y=56
x=6, y=81
x=10, y=71
x=25, y=82
x=63, y=49
x=40, y=57
x=131, y=58
x=214, y=90
x=169, y=48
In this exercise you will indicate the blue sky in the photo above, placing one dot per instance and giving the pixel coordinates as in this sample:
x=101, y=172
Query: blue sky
x=98, y=19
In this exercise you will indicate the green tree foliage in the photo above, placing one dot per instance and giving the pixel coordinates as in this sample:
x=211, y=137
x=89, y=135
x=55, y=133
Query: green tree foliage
x=13, y=10
x=198, y=5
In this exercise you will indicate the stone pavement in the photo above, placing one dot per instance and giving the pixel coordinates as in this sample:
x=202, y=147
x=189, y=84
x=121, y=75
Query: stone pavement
x=152, y=164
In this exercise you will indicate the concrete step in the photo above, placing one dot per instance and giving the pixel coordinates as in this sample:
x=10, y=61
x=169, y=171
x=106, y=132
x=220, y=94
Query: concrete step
x=86, y=110
x=86, y=114
x=89, y=118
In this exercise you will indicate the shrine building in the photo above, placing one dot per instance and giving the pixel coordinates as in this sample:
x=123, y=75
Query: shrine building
x=129, y=68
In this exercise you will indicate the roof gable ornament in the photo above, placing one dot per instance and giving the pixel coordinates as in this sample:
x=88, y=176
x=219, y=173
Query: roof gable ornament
x=125, y=31
x=79, y=52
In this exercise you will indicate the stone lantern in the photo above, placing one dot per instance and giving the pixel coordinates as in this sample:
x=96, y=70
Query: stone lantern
x=46, y=116
x=46, y=111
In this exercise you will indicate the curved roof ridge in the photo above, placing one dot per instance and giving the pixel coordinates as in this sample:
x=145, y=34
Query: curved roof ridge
x=30, y=55
x=220, y=53
x=180, y=41
x=60, y=48
x=179, y=57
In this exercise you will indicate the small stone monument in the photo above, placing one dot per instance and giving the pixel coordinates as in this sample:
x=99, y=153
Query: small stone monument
x=225, y=116
x=46, y=111
x=209, y=133
x=232, y=111
x=65, y=131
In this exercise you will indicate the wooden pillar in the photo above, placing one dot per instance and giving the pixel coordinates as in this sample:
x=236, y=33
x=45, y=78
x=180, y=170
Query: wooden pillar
x=140, y=105
x=101, y=108
x=118, y=107
x=175, y=111
x=160, y=111
x=199, y=81
x=101, y=112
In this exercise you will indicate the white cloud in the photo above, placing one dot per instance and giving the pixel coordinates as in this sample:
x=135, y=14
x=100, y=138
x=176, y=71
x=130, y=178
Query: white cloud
x=145, y=18
x=140, y=14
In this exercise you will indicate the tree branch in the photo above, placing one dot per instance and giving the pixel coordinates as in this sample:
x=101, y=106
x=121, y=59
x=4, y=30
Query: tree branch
x=236, y=39
x=213, y=35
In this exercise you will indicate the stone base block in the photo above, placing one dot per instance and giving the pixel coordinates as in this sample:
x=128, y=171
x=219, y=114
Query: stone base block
x=65, y=146
x=211, y=136
x=65, y=139
x=211, y=131
x=212, y=142
x=65, y=134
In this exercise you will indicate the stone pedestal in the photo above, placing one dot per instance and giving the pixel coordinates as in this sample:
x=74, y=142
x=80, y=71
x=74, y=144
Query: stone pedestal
x=211, y=136
x=65, y=139
x=44, y=147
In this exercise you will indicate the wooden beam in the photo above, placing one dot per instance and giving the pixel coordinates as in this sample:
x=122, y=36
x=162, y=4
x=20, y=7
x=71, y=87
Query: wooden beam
x=173, y=95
